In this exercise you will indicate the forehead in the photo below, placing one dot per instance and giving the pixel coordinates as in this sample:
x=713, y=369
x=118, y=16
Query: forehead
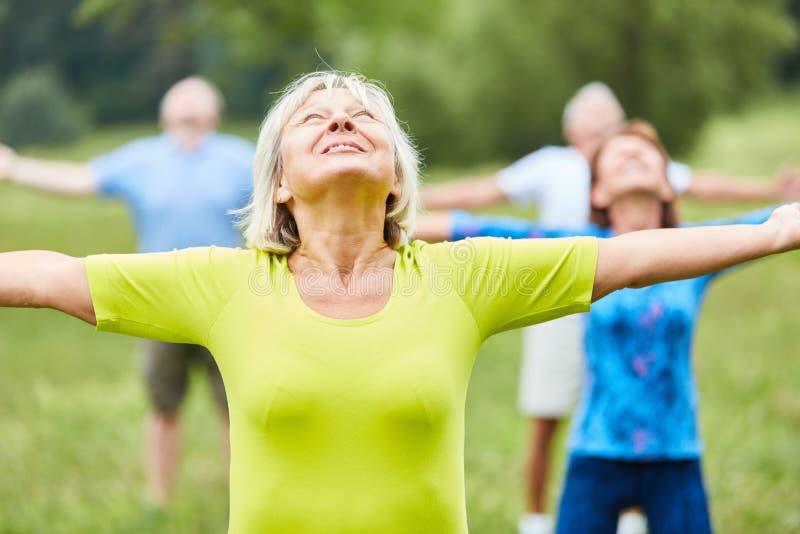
x=190, y=98
x=337, y=97
x=630, y=141
x=599, y=102
x=626, y=142
x=597, y=110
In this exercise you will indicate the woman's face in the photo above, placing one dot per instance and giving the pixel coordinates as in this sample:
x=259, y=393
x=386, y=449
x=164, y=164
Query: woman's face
x=334, y=140
x=629, y=164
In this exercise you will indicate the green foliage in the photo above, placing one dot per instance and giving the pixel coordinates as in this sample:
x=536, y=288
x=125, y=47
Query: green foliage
x=480, y=80
x=35, y=108
x=475, y=80
x=119, y=71
x=251, y=50
x=493, y=77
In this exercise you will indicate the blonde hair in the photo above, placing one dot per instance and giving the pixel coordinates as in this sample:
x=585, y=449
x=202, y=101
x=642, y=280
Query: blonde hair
x=270, y=226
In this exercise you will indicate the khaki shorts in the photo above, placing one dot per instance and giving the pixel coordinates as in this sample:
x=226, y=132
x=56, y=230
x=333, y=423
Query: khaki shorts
x=553, y=364
x=166, y=373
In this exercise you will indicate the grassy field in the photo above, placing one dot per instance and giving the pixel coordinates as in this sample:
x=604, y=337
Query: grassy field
x=71, y=405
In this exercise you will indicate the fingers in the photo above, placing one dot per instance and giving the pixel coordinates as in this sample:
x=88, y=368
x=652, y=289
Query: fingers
x=788, y=182
x=8, y=159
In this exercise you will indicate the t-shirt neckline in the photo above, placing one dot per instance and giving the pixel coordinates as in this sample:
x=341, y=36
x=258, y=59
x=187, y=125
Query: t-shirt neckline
x=358, y=321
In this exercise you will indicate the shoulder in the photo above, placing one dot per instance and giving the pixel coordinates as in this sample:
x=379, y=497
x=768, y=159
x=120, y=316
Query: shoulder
x=447, y=252
x=679, y=175
x=142, y=148
x=549, y=160
x=233, y=146
x=144, y=145
x=234, y=258
x=216, y=262
x=552, y=154
x=481, y=252
x=124, y=162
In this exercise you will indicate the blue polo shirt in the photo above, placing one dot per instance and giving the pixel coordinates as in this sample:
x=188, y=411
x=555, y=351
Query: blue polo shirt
x=639, y=399
x=179, y=198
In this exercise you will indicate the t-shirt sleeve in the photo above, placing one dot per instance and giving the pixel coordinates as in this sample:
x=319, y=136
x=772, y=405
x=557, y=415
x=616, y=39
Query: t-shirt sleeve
x=511, y=283
x=523, y=181
x=170, y=296
x=680, y=176
x=117, y=170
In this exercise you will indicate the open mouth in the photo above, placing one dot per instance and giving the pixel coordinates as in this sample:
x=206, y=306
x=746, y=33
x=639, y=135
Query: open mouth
x=343, y=146
x=631, y=165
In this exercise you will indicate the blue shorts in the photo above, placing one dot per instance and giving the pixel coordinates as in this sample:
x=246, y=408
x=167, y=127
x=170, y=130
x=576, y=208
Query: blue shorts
x=597, y=489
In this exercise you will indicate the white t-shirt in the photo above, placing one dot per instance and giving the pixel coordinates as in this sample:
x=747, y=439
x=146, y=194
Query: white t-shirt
x=558, y=180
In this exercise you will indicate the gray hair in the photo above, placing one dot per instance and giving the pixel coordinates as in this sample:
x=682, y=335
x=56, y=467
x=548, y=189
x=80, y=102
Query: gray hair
x=270, y=226
x=590, y=91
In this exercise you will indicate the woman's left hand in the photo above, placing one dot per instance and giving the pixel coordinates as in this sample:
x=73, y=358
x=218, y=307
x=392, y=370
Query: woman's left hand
x=785, y=223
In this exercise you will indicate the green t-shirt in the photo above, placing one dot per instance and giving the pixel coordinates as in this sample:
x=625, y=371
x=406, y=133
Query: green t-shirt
x=345, y=425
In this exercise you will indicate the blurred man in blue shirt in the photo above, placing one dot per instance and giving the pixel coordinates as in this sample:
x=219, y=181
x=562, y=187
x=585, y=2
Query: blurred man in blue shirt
x=179, y=187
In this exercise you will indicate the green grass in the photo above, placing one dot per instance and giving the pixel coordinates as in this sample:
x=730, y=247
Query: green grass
x=72, y=407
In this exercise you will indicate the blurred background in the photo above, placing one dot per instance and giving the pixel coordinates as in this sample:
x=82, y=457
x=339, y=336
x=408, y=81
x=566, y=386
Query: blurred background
x=475, y=80
x=479, y=84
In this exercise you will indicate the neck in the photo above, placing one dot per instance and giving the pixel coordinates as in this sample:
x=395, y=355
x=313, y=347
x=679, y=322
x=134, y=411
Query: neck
x=585, y=150
x=344, y=236
x=188, y=141
x=635, y=211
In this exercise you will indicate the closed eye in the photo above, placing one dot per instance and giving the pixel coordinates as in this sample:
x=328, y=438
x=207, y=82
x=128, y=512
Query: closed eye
x=311, y=117
x=364, y=113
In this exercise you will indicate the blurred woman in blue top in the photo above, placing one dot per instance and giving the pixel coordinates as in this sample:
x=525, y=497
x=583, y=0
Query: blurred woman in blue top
x=635, y=439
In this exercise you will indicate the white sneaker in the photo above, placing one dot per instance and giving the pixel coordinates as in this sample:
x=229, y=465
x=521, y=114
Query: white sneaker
x=536, y=524
x=632, y=523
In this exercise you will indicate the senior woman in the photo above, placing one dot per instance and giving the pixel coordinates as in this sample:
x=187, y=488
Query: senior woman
x=345, y=350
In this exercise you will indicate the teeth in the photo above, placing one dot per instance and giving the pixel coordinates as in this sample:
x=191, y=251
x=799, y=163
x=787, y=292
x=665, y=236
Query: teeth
x=341, y=147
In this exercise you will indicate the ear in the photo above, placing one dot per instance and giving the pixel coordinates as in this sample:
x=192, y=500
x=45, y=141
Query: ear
x=666, y=193
x=396, y=189
x=599, y=198
x=282, y=194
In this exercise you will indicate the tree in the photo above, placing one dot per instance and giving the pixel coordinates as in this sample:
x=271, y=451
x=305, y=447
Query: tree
x=475, y=80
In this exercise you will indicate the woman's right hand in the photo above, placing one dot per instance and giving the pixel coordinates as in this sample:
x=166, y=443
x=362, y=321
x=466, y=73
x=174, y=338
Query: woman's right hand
x=8, y=160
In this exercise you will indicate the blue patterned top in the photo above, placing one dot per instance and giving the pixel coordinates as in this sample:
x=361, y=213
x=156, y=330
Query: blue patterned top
x=639, y=399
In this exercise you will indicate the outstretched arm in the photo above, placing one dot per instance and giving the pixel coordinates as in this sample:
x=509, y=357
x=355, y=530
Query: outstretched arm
x=43, y=279
x=649, y=257
x=434, y=227
x=711, y=185
x=54, y=176
x=456, y=224
x=465, y=193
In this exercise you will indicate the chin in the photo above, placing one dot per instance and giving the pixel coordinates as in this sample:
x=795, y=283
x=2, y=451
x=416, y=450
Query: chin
x=350, y=178
x=356, y=171
x=638, y=184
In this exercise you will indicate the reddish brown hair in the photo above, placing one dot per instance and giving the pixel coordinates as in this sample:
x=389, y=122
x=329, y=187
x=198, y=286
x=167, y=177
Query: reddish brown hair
x=643, y=130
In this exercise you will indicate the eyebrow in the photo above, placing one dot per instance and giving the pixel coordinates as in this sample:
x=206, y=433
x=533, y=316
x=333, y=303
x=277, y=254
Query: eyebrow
x=322, y=107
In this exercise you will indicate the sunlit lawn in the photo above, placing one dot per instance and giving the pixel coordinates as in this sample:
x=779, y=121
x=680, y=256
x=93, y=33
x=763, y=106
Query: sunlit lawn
x=71, y=405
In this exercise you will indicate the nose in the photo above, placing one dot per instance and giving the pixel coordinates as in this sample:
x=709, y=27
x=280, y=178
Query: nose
x=340, y=122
